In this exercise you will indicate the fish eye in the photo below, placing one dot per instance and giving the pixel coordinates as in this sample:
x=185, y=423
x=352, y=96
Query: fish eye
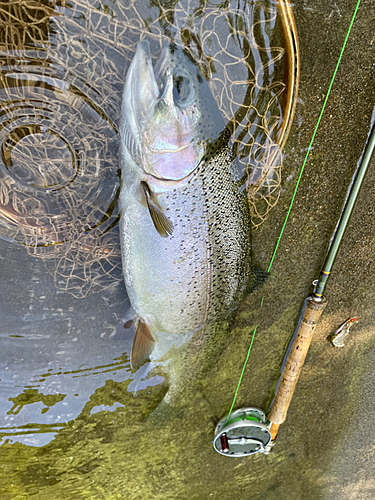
x=183, y=91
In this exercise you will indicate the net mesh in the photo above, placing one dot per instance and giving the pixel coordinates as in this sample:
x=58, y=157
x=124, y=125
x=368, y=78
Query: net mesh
x=63, y=67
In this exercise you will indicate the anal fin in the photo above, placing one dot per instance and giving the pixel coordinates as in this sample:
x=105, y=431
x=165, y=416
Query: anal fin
x=143, y=345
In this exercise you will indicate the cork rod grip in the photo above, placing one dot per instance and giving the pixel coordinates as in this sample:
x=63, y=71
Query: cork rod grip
x=294, y=362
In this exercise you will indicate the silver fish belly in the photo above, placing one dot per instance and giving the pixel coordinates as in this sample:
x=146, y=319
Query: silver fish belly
x=198, y=273
x=185, y=240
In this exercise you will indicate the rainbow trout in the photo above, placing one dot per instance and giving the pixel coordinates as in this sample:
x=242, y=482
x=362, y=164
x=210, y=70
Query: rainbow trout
x=185, y=223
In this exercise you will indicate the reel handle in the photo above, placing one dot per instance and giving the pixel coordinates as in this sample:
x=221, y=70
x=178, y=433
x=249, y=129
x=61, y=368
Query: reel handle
x=293, y=361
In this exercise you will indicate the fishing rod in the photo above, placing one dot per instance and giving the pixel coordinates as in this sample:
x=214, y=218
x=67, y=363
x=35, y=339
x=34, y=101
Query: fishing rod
x=249, y=430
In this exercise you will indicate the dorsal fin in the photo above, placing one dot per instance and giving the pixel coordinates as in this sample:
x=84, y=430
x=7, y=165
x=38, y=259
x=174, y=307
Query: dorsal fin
x=143, y=345
x=161, y=222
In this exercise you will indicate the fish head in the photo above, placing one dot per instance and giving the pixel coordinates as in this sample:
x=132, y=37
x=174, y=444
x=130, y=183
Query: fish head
x=170, y=117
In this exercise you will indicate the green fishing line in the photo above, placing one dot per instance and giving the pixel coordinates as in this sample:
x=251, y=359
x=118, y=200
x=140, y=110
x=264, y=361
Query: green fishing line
x=243, y=371
x=313, y=136
x=295, y=190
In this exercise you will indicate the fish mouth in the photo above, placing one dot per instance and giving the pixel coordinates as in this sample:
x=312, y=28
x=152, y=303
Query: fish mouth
x=140, y=91
x=158, y=129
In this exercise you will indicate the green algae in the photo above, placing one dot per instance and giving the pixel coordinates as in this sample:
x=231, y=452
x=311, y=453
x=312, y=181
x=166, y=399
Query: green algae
x=30, y=396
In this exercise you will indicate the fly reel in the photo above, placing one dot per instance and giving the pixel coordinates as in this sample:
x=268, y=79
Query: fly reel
x=245, y=432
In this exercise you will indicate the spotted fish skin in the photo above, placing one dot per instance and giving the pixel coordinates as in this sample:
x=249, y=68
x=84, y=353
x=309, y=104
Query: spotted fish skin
x=186, y=245
x=201, y=271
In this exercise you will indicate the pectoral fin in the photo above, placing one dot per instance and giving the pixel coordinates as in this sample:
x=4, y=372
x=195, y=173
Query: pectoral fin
x=161, y=222
x=143, y=345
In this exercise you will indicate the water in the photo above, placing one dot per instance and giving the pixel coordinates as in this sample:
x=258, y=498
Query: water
x=71, y=426
x=62, y=79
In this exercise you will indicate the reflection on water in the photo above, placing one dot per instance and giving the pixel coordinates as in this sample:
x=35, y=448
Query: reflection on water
x=55, y=352
x=61, y=80
x=52, y=358
x=58, y=176
x=63, y=71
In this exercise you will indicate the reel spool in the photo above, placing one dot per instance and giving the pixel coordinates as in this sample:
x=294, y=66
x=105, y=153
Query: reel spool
x=246, y=432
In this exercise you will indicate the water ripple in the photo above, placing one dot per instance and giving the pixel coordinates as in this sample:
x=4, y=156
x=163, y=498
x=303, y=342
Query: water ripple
x=59, y=151
x=62, y=71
